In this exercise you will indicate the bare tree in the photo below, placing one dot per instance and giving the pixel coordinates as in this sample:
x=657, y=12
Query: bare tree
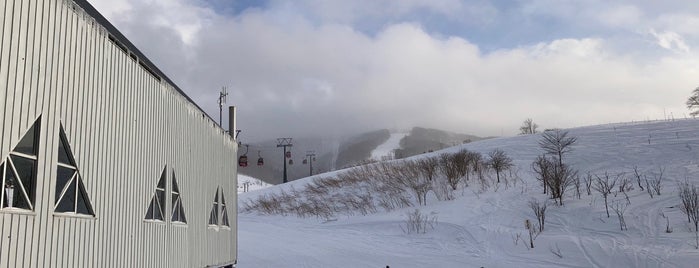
x=588, y=183
x=657, y=180
x=449, y=166
x=578, y=185
x=428, y=167
x=539, y=209
x=620, y=209
x=499, y=161
x=541, y=167
x=689, y=194
x=557, y=143
x=557, y=178
x=533, y=233
x=693, y=102
x=411, y=176
x=528, y=127
x=637, y=174
x=604, y=185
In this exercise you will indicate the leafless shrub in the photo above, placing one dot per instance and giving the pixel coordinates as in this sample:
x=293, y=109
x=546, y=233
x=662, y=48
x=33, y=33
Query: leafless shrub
x=499, y=162
x=657, y=180
x=449, y=166
x=588, y=183
x=625, y=185
x=429, y=167
x=620, y=208
x=689, y=194
x=604, y=185
x=558, y=178
x=541, y=167
x=533, y=233
x=409, y=173
x=539, y=209
x=577, y=184
x=419, y=223
x=637, y=174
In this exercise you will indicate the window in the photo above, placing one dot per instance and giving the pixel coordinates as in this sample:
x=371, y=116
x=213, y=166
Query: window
x=177, y=209
x=156, y=210
x=219, y=214
x=213, y=215
x=71, y=196
x=18, y=171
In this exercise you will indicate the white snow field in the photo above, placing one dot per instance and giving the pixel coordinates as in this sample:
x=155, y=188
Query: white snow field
x=385, y=150
x=248, y=184
x=479, y=229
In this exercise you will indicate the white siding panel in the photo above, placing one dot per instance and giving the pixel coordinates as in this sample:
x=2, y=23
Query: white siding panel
x=123, y=126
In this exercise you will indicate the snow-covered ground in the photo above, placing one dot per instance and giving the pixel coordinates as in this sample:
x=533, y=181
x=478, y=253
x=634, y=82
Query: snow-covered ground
x=385, y=150
x=480, y=229
x=248, y=184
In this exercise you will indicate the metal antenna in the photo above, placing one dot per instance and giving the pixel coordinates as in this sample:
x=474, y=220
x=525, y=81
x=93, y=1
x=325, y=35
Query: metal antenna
x=221, y=100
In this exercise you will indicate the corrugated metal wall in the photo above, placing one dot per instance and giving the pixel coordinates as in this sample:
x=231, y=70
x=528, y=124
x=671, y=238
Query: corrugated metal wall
x=123, y=125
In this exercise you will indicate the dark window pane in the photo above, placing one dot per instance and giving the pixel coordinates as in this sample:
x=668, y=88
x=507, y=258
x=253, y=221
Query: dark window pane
x=161, y=201
x=149, y=213
x=63, y=151
x=27, y=143
x=216, y=197
x=213, y=219
x=225, y=218
x=174, y=184
x=84, y=206
x=175, y=212
x=4, y=199
x=161, y=182
x=63, y=175
x=182, y=217
x=67, y=203
x=26, y=169
x=174, y=199
x=223, y=200
x=157, y=215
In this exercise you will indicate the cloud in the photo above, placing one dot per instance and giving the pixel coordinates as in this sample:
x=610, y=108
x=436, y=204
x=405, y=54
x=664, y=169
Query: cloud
x=670, y=41
x=292, y=74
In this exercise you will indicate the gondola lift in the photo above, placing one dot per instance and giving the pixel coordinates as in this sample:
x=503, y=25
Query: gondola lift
x=305, y=161
x=288, y=154
x=260, y=161
x=243, y=159
x=291, y=161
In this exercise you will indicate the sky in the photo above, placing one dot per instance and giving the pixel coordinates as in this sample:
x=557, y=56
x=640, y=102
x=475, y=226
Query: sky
x=334, y=68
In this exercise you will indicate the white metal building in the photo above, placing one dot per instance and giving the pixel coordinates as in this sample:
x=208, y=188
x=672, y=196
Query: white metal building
x=104, y=161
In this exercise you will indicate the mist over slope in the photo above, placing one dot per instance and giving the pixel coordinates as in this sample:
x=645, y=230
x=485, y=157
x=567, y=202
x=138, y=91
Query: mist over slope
x=481, y=226
x=332, y=153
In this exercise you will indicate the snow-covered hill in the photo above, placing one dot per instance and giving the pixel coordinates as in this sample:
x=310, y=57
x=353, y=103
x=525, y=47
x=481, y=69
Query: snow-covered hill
x=480, y=228
x=249, y=184
x=385, y=150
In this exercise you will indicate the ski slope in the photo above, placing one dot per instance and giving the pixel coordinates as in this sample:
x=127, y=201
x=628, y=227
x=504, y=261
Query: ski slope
x=479, y=229
x=385, y=150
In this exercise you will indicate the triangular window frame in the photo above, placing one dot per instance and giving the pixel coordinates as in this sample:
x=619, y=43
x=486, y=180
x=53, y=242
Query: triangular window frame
x=218, y=215
x=178, y=215
x=157, y=208
x=69, y=182
x=18, y=171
